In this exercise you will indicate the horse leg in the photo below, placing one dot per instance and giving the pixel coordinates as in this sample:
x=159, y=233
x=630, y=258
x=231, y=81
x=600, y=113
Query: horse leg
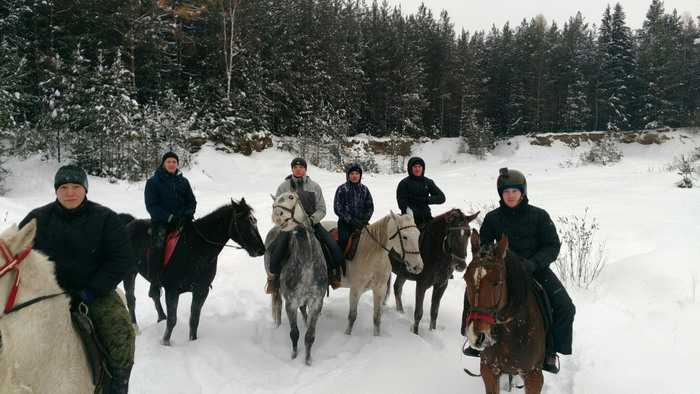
x=490, y=380
x=293, y=329
x=129, y=288
x=421, y=288
x=398, y=289
x=171, y=299
x=388, y=289
x=154, y=293
x=438, y=291
x=310, y=336
x=304, y=314
x=277, y=309
x=199, y=295
x=534, y=382
x=352, y=314
x=378, y=295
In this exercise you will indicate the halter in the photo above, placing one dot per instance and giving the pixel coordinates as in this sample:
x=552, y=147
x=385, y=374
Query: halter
x=445, y=243
x=12, y=263
x=490, y=315
x=404, y=252
x=291, y=210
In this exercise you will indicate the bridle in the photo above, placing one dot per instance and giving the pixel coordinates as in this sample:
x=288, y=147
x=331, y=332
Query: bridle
x=291, y=210
x=490, y=315
x=398, y=233
x=233, y=224
x=447, y=248
x=12, y=263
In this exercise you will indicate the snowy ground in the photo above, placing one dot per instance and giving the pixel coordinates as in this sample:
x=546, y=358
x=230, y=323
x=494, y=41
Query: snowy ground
x=635, y=329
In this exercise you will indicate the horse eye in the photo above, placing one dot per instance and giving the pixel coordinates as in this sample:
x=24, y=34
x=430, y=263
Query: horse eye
x=291, y=197
x=405, y=237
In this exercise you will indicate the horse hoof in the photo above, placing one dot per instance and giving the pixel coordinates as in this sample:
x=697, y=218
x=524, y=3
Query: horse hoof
x=399, y=309
x=161, y=318
x=193, y=337
x=348, y=332
x=165, y=342
x=376, y=332
x=294, y=354
x=308, y=361
x=414, y=330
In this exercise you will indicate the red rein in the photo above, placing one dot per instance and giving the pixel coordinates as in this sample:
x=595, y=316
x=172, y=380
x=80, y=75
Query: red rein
x=12, y=264
x=481, y=316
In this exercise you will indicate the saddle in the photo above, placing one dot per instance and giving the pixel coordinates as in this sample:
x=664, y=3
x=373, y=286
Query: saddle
x=94, y=350
x=350, y=248
x=170, y=244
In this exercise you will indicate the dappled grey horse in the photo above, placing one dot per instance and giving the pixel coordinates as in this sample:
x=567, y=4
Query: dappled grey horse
x=304, y=277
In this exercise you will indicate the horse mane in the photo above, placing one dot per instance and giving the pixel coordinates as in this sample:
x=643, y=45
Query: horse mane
x=223, y=211
x=518, y=282
x=378, y=229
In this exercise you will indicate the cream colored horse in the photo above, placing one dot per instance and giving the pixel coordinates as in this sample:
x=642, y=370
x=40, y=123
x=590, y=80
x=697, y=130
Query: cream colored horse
x=39, y=350
x=370, y=269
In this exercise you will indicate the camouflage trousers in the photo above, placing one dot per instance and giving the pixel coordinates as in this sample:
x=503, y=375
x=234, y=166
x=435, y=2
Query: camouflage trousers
x=113, y=326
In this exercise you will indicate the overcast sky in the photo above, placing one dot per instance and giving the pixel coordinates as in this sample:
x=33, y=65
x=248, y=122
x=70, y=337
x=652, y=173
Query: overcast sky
x=481, y=14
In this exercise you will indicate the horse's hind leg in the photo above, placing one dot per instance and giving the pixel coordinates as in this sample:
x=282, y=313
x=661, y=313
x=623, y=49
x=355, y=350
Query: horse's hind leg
x=304, y=314
x=438, y=291
x=310, y=336
x=388, y=289
x=421, y=288
x=171, y=299
x=378, y=295
x=199, y=295
x=129, y=289
x=490, y=380
x=533, y=382
x=294, y=329
x=352, y=313
x=155, y=296
x=398, y=289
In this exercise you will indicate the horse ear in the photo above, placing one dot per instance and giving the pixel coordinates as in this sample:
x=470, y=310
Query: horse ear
x=409, y=211
x=502, y=246
x=472, y=216
x=272, y=196
x=23, y=238
x=475, y=241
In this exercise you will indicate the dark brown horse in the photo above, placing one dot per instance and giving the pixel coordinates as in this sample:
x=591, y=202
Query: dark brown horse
x=443, y=248
x=504, y=320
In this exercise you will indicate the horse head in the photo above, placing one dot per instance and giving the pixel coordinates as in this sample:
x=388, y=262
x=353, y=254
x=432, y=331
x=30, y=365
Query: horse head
x=245, y=228
x=486, y=290
x=457, y=237
x=405, y=239
x=288, y=213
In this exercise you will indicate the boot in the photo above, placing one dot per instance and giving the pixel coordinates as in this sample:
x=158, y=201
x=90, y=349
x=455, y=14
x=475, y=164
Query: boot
x=334, y=278
x=471, y=352
x=119, y=382
x=551, y=363
x=273, y=284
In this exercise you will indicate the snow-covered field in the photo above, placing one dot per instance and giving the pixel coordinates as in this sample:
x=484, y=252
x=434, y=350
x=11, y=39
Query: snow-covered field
x=636, y=328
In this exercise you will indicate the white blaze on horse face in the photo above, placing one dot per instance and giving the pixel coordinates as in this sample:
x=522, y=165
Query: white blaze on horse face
x=479, y=274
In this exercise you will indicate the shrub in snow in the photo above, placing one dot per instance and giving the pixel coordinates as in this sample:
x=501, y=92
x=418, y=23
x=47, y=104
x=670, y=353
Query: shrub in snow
x=582, y=256
x=483, y=209
x=603, y=152
x=686, y=169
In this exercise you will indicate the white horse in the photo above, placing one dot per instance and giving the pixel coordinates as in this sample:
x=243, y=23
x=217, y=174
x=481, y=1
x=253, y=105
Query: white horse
x=40, y=352
x=370, y=269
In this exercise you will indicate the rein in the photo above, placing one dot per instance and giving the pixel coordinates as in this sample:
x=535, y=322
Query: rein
x=12, y=263
x=404, y=252
x=445, y=243
x=232, y=223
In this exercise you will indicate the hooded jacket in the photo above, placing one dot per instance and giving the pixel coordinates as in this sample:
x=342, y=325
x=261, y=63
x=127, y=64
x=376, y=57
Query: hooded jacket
x=417, y=193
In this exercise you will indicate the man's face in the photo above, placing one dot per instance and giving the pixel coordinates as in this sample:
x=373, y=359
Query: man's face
x=354, y=176
x=170, y=165
x=71, y=195
x=298, y=171
x=512, y=197
x=417, y=170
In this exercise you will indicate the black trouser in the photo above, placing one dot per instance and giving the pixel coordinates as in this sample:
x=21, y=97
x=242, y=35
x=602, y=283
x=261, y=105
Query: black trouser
x=345, y=231
x=159, y=231
x=562, y=314
x=279, y=249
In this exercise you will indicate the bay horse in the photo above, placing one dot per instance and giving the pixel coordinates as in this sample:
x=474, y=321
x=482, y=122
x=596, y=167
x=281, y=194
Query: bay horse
x=304, y=276
x=370, y=269
x=40, y=351
x=504, y=320
x=192, y=266
x=443, y=248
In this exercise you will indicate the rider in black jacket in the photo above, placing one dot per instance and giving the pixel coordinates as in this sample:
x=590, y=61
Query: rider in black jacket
x=416, y=191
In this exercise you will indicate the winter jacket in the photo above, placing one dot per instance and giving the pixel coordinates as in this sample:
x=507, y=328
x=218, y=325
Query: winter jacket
x=88, y=244
x=353, y=201
x=310, y=195
x=417, y=192
x=531, y=233
x=169, y=196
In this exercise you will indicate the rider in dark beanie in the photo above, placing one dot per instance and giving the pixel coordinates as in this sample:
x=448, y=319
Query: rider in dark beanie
x=70, y=174
x=168, y=155
x=298, y=161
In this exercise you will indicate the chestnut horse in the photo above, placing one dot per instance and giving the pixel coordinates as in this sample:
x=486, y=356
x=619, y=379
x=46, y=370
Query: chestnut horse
x=504, y=320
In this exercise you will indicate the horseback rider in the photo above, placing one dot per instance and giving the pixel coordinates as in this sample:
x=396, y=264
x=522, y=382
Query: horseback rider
x=171, y=204
x=533, y=236
x=417, y=191
x=92, y=253
x=311, y=198
x=354, y=207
